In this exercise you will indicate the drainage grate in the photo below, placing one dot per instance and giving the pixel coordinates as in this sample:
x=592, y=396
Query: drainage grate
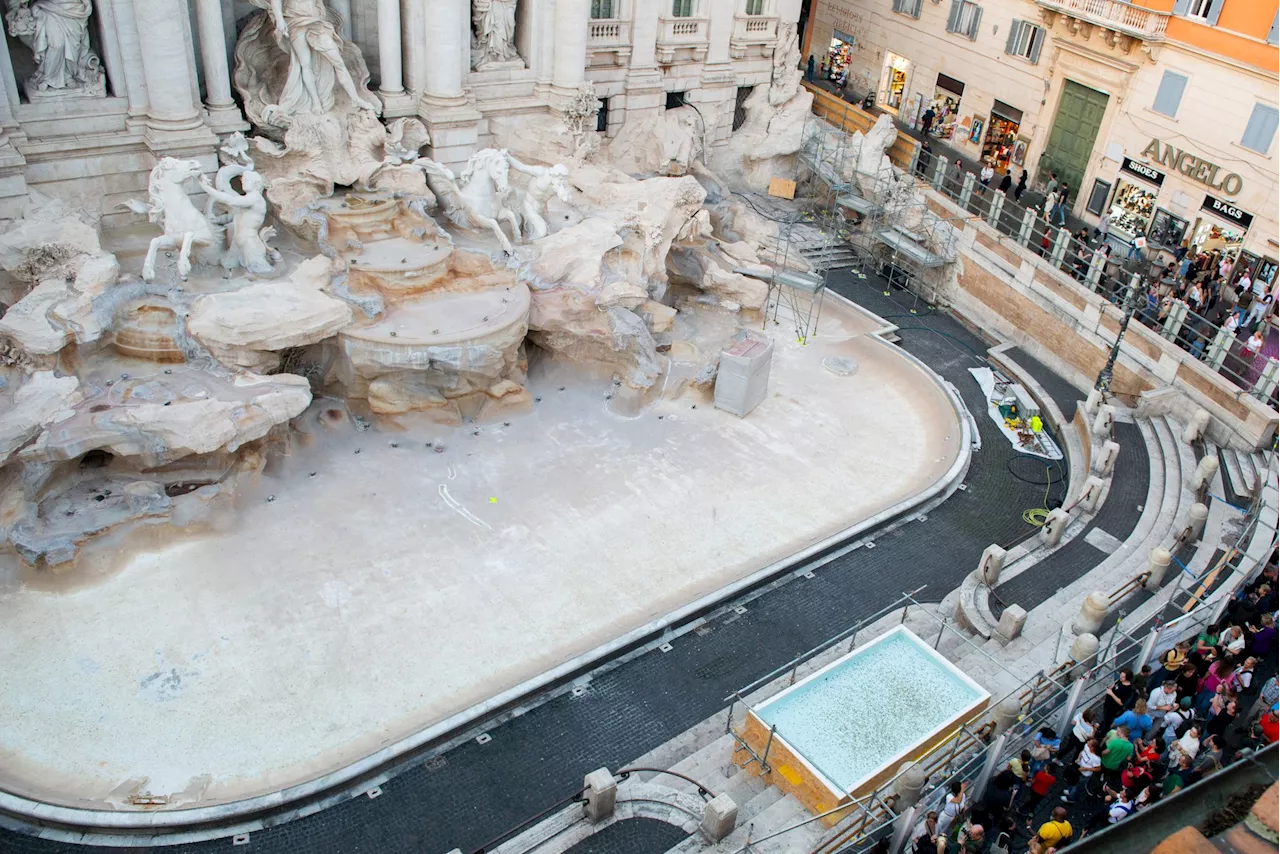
x=435, y=763
x=483, y=738
x=739, y=609
x=375, y=792
x=666, y=647
x=240, y=839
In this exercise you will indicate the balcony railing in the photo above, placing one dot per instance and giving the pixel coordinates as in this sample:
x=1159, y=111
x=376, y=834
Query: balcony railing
x=682, y=34
x=608, y=41
x=752, y=31
x=1117, y=15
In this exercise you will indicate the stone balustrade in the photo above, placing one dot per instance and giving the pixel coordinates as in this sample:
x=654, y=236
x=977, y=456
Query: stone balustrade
x=757, y=33
x=1116, y=15
x=686, y=39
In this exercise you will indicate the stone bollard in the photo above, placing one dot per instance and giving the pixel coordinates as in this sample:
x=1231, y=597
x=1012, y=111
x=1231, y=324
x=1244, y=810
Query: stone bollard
x=1196, y=427
x=1197, y=516
x=1204, y=473
x=909, y=785
x=719, y=817
x=991, y=564
x=1011, y=622
x=1084, y=649
x=1054, y=525
x=1092, y=494
x=1092, y=612
x=1157, y=565
x=1104, y=462
x=1092, y=402
x=602, y=794
x=1104, y=420
x=1007, y=712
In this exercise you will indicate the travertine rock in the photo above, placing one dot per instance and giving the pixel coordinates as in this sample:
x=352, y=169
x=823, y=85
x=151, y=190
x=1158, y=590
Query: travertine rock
x=243, y=328
x=576, y=254
x=39, y=401
x=61, y=310
x=51, y=241
x=165, y=418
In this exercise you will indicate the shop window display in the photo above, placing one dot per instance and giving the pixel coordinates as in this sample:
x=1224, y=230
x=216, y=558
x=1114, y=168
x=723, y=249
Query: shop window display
x=838, y=56
x=1167, y=230
x=997, y=146
x=1132, y=208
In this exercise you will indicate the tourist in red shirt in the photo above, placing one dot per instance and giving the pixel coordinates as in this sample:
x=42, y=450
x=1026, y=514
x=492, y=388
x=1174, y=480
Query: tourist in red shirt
x=1269, y=726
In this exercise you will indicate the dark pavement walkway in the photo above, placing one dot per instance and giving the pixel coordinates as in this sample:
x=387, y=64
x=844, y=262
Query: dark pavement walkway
x=475, y=792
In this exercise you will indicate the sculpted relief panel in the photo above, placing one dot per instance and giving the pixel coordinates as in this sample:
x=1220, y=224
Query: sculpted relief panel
x=57, y=31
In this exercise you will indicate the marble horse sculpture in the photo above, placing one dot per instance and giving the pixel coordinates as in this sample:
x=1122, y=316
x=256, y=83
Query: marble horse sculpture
x=477, y=198
x=185, y=227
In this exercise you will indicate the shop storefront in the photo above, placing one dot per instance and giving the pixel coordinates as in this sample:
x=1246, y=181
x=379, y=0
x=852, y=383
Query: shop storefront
x=837, y=63
x=1221, y=226
x=893, y=81
x=1134, y=204
x=947, y=93
x=1002, y=136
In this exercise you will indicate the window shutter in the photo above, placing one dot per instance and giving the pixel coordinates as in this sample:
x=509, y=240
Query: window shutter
x=1261, y=130
x=1037, y=42
x=915, y=10
x=977, y=21
x=1274, y=36
x=953, y=20
x=1015, y=30
x=897, y=5
x=1169, y=95
x=1181, y=7
x=1215, y=9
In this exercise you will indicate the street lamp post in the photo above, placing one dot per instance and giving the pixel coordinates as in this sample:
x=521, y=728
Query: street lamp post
x=1128, y=306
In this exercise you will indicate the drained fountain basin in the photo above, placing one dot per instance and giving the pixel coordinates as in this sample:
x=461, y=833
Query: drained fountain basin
x=843, y=731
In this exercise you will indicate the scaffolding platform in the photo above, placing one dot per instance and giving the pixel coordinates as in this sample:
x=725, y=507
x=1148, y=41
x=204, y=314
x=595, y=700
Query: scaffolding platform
x=911, y=246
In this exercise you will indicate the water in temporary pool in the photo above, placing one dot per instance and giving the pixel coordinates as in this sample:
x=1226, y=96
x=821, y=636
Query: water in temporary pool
x=866, y=710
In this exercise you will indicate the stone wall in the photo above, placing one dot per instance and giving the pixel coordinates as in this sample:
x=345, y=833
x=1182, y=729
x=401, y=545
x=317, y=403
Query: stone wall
x=1005, y=290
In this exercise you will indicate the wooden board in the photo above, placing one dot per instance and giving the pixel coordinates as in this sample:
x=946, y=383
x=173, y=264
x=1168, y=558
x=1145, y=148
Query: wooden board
x=782, y=188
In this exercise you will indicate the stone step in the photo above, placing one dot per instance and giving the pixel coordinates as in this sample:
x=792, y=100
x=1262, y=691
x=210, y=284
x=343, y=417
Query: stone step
x=744, y=786
x=712, y=766
x=1262, y=464
x=786, y=812
x=1235, y=480
x=760, y=802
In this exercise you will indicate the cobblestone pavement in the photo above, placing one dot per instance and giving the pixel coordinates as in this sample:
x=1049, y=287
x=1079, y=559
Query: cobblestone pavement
x=1118, y=517
x=533, y=760
x=634, y=836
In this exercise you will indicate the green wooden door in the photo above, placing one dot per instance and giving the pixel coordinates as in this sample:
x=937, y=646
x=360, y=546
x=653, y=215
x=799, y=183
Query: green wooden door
x=1075, y=129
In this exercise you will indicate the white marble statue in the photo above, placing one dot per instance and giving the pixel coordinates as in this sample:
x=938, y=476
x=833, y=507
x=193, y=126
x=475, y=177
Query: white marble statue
x=477, y=198
x=493, y=37
x=57, y=31
x=249, y=235
x=292, y=61
x=544, y=182
x=185, y=227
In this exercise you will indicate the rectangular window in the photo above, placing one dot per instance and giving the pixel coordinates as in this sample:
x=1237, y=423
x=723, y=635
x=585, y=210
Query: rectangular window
x=1169, y=95
x=681, y=8
x=602, y=115
x=675, y=100
x=755, y=7
x=908, y=7
x=1025, y=40
x=1261, y=130
x=965, y=18
x=1205, y=11
x=739, y=106
x=602, y=9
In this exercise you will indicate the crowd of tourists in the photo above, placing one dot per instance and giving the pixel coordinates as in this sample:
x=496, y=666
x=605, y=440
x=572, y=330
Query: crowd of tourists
x=1202, y=704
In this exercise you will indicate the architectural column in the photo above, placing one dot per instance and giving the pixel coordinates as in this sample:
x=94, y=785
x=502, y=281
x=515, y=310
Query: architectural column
x=453, y=124
x=569, y=61
x=13, y=182
x=343, y=8
x=224, y=115
x=645, y=97
x=416, y=50
x=391, y=61
x=174, y=123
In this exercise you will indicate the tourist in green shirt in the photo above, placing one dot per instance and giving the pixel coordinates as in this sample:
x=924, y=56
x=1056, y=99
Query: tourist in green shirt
x=1116, y=752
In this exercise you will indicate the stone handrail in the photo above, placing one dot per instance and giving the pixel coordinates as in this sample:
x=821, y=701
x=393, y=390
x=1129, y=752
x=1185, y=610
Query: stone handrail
x=1117, y=15
x=608, y=31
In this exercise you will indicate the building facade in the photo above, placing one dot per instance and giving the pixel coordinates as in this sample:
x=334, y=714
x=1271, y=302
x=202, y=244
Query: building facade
x=156, y=77
x=1161, y=112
